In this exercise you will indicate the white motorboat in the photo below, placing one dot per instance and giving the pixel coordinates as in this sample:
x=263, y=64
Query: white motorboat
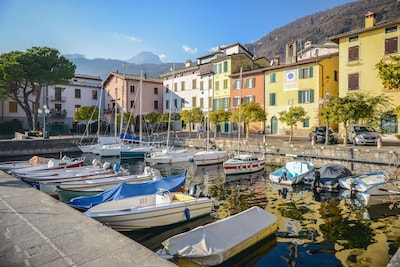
x=169, y=156
x=210, y=157
x=146, y=211
x=8, y=166
x=362, y=182
x=53, y=164
x=243, y=163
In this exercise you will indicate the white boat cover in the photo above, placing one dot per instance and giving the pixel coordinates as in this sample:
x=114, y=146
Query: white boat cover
x=216, y=242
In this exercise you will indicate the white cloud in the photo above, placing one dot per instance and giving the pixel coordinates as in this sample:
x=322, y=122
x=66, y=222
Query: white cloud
x=128, y=38
x=162, y=56
x=214, y=49
x=187, y=49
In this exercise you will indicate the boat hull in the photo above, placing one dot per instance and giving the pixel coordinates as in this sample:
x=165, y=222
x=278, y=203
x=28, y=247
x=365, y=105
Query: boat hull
x=243, y=164
x=133, y=214
x=168, y=157
x=209, y=157
x=384, y=193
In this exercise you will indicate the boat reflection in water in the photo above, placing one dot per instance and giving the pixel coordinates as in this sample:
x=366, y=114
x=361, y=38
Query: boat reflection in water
x=331, y=230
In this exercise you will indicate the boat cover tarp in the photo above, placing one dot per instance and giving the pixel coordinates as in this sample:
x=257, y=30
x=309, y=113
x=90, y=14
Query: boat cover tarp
x=334, y=171
x=123, y=190
x=214, y=243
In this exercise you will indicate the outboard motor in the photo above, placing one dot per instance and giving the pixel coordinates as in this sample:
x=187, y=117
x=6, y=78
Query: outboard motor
x=106, y=165
x=195, y=191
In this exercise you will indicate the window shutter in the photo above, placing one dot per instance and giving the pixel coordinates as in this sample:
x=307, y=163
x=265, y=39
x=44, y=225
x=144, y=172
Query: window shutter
x=300, y=74
x=311, y=72
x=311, y=95
x=300, y=96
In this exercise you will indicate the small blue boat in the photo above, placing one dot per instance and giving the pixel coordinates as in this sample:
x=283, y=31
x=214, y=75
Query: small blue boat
x=123, y=190
x=292, y=173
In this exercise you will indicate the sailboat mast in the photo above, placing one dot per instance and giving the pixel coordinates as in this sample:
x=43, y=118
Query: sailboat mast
x=140, y=109
x=208, y=117
x=99, y=114
x=240, y=107
x=122, y=102
x=170, y=106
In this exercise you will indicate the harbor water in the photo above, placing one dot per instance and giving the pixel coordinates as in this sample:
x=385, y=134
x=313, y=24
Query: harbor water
x=314, y=228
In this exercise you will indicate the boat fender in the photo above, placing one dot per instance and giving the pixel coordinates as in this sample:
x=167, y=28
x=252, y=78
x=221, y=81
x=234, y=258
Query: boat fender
x=187, y=214
x=116, y=167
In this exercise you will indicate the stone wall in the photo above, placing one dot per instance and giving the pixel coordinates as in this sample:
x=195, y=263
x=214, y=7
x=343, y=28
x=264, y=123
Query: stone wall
x=359, y=159
x=23, y=147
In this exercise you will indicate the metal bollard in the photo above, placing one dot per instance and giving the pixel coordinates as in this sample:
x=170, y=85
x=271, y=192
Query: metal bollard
x=379, y=143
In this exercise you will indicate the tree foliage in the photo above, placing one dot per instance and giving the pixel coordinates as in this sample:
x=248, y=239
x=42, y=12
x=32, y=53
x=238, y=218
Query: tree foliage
x=152, y=118
x=248, y=112
x=357, y=108
x=86, y=114
x=189, y=117
x=292, y=116
x=218, y=116
x=389, y=72
x=24, y=74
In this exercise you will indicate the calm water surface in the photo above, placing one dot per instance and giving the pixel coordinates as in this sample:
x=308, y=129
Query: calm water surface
x=314, y=229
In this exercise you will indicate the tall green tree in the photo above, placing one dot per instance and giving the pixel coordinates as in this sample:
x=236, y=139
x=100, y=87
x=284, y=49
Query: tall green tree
x=247, y=113
x=24, y=74
x=218, y=116
x=292, y=116
x=389, y=72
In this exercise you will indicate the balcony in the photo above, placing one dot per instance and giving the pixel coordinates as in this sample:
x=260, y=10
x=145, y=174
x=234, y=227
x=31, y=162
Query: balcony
x=57, y=98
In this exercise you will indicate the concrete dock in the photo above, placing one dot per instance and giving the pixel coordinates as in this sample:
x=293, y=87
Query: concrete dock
x=38, y=230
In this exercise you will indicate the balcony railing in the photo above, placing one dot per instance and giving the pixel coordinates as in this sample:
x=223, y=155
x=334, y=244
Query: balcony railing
x=58, y=98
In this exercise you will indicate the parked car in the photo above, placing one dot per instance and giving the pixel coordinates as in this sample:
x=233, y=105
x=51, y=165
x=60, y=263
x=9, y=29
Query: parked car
x=319, y=134
x=362, y=135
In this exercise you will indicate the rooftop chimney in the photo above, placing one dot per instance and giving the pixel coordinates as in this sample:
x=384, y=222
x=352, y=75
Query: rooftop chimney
x=277, y=60
x=370, y=19
x=307, y=44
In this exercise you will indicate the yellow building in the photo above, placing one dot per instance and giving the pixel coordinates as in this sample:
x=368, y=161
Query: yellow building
x=307, y=83
x=359, y=51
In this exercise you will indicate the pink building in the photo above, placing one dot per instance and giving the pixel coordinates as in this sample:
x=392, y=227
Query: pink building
x=131, y=93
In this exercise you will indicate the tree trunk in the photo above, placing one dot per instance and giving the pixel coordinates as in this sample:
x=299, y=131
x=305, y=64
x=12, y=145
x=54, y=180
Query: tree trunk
x=291, y=133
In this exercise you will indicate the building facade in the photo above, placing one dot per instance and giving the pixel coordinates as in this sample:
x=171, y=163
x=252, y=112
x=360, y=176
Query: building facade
x=359, y=51
x=132, y=94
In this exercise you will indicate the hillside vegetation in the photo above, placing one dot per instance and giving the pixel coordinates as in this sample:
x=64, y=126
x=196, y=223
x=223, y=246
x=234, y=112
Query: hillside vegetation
x=320, y=26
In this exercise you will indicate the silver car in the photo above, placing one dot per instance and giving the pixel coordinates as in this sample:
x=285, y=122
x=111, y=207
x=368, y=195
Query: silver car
x=362, y=135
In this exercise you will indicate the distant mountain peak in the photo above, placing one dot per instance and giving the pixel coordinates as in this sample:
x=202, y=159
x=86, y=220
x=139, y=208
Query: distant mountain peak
x=145, y=58
x=74, y=56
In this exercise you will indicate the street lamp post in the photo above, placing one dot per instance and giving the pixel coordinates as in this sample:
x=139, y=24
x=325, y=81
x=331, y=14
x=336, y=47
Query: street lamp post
x=44, y=111
x=327, y=118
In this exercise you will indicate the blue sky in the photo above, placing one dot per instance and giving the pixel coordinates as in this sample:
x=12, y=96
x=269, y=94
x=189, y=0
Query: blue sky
x=176, y=30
